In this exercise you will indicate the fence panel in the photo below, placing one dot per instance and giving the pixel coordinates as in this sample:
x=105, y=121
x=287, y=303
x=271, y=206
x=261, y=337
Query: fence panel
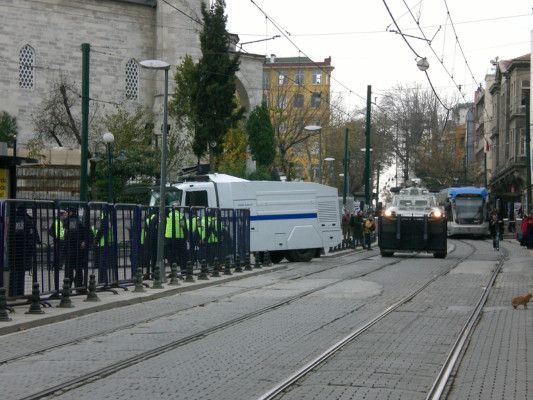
x=128, y=230
x=103, y=249
x=46, y=241
x=228, y=233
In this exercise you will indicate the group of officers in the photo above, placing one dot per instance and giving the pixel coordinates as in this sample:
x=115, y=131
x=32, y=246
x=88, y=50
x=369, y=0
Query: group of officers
x=187, y=237
x=358, y=229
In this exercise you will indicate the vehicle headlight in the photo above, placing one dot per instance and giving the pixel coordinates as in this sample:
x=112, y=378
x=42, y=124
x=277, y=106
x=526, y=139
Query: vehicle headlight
x=388, y=212
x=436, y=213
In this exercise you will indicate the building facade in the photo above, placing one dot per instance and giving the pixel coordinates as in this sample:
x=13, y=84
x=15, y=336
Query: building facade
x=507, y=132
x=41, y=41
x=297, y=91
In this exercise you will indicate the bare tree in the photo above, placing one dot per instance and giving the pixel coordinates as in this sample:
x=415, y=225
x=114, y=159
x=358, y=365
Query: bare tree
x=291, y=109
x=414, y=116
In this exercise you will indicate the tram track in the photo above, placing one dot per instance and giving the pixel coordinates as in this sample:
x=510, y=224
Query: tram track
x=439, y=384
x=104, y=332
x=146, y=355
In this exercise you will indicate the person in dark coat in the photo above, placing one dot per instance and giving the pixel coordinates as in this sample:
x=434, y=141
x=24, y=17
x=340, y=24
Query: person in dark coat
x=149, y=243
x=356, y=224
x=496, y=230
x=77, y=239
x=22, y=240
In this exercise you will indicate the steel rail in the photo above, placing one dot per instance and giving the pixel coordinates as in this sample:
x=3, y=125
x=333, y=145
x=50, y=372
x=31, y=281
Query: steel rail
x=171, y=313
x=328, y=353
x=439, y=384
x=125, y=363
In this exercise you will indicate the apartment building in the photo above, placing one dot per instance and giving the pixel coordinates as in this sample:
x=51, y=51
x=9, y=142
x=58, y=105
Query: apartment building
x=297, y=91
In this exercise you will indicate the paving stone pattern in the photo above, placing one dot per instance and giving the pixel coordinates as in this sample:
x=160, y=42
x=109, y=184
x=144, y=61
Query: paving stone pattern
x=72, y=360
x=400, y=357
x=44, y=336
x=498, y=363
x=244, y=360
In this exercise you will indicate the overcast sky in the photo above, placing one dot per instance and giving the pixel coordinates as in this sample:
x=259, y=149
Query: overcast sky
x=354, y=33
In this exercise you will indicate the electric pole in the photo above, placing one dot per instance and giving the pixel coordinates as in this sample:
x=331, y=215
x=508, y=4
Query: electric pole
x=346, y=164
x=85, y=65
x=367, y=146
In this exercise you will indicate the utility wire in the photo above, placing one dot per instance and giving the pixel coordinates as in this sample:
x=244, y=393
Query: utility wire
x=414, y=52
x=286, y=34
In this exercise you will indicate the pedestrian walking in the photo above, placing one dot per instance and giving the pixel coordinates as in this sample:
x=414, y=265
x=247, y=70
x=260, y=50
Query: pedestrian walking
x=369, y=226
x=356, y=224
x=22, y=240
x=496, y=230
x=77, y=239
x=345, y=224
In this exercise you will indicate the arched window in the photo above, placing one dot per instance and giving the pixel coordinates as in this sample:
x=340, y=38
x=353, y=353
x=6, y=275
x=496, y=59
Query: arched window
x=132, y=80
x=26, y=65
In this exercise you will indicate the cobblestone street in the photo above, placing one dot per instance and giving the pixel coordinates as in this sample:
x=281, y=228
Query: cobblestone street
x=238, y=339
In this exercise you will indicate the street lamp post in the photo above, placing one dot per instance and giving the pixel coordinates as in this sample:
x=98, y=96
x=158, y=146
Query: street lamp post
x=161, y=65
x=108, y=140
x=346, y=170
x=330, y=160
x=314, y=128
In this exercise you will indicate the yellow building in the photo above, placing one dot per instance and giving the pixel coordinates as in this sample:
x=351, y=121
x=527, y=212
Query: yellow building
x=297, y=91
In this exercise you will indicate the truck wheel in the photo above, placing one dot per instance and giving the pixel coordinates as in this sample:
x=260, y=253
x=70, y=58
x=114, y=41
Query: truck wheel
x=439, y=255
x=304, y=255
x=277, y=256
x=387, y=253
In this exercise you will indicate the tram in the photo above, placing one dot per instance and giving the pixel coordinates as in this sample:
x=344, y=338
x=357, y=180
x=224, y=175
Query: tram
x=466, y=210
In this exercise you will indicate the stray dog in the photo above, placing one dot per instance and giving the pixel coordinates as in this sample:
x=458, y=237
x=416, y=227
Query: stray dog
x=516, y=301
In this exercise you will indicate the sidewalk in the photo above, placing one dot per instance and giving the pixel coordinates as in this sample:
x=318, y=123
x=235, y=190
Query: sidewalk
x=497, y=362
x=22, y=321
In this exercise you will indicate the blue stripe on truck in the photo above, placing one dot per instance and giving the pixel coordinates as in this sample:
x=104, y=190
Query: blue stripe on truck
x=282, y=216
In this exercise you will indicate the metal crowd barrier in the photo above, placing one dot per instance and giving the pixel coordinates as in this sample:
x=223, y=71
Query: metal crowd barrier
x=47, y=241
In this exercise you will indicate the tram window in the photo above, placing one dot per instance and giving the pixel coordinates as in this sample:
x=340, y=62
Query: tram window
x=421, y=203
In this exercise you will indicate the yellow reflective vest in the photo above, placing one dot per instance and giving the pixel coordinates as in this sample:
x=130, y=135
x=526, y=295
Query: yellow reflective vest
x=174, y=228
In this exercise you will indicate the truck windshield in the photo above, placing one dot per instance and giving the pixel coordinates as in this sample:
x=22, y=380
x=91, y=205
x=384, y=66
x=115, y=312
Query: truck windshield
x=415, y=204
x=172, y=196
x=469, y=208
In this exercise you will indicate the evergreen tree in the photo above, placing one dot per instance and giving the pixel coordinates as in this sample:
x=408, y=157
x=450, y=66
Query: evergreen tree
x=8, y=128
x=215, y=103
x=261, y=136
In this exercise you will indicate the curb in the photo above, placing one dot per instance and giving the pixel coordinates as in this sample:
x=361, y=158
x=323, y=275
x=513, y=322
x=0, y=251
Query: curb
x=127, y=302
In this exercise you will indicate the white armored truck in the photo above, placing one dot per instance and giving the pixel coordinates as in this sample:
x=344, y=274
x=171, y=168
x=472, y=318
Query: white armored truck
x=293, y=220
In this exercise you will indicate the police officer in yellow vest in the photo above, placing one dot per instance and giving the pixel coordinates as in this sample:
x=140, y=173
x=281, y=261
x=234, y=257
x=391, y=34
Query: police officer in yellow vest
x=177, y=230
x=57, y=231
x=208, y=230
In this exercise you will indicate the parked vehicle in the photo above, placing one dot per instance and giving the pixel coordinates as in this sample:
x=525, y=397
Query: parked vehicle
x=295, y=220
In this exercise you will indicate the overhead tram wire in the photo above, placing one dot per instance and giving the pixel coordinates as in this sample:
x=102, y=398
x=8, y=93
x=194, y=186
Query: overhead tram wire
x=433, y=51
x=415, y=53
x=287, y=35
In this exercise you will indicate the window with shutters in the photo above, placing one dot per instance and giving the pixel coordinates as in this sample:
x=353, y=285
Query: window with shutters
x=26, y=67
x=132, y=80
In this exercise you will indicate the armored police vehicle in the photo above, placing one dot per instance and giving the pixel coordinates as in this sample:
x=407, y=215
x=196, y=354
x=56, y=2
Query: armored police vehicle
x=293, y=220
x=413, y=222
